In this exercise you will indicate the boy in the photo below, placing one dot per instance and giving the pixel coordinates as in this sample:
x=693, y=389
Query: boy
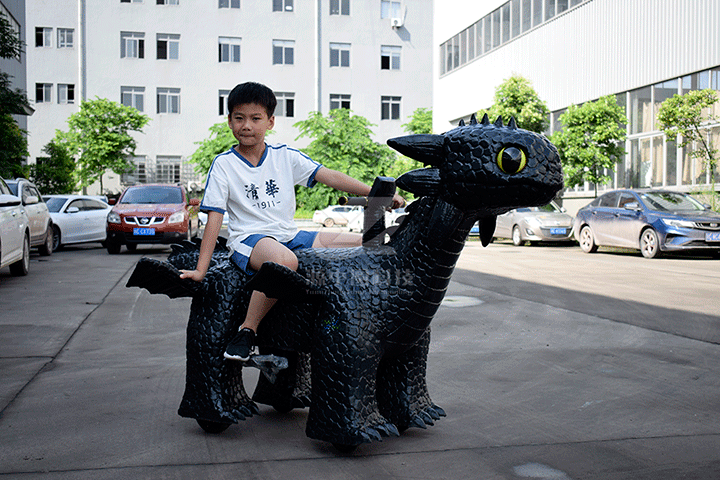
x=254, y=183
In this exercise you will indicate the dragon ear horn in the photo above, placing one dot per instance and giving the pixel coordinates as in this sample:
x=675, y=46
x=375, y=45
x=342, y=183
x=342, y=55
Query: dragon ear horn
x=485, y=120
x=511, y=124
x=461, y=123
x=473, y=119
x=498, y=122
x=424, y=148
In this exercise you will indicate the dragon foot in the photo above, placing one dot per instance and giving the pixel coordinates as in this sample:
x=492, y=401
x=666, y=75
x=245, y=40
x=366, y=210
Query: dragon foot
x=425, y=417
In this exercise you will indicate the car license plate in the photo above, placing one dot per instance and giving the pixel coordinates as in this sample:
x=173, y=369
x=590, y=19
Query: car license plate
x=712, y=237
x=558, y=231
x=143, y=231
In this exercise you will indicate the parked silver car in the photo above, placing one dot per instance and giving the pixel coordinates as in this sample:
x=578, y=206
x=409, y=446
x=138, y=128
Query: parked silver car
x=652, y=221
x=548, y=223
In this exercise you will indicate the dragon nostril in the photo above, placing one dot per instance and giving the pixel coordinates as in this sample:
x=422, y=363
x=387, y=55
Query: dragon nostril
x=511, y=160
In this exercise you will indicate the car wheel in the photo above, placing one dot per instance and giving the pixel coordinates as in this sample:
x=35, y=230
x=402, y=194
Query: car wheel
x=516, y=237
x=329, y=222
x=113, y=246
x=57, y=238
x=587, y=241
x=46, y=249
x=22, y=266
x=649, y=243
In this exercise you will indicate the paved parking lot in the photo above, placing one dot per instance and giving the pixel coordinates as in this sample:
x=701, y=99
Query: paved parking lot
x=550, y=363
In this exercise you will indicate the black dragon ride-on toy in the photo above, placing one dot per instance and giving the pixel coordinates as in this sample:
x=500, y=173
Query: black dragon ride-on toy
x=349, y=337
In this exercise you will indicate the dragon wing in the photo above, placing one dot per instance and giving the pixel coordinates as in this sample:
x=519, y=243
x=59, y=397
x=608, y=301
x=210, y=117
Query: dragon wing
x=278, y=281
x=161, y=277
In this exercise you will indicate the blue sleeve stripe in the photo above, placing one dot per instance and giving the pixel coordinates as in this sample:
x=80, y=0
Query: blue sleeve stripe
x=311, y=180
x=212, y=209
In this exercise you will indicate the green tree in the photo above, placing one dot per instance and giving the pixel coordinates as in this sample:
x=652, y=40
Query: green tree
x=13, y=139
x=684, y=116
x=341, y=141
x=221, y=140
x=516, y=97
x=99, y=135
x=55, y=173
x=420, y=122
x=591, y=140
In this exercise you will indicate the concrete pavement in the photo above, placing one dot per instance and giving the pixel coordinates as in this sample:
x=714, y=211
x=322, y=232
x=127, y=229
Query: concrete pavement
x=92, y=374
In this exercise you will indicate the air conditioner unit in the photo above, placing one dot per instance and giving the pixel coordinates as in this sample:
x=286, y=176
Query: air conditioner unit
x=396, y=22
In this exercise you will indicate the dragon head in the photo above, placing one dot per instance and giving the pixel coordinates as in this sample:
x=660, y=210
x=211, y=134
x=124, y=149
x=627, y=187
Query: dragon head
x=483, y=168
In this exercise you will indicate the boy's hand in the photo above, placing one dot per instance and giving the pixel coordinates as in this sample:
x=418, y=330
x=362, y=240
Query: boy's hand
x=398, y=201
x=192, y=275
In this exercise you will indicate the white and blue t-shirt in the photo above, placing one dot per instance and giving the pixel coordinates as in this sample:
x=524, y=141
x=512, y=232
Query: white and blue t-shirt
x=259, y=200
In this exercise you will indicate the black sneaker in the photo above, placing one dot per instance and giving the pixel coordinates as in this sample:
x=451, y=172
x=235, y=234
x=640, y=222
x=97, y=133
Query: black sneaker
x=241, y=345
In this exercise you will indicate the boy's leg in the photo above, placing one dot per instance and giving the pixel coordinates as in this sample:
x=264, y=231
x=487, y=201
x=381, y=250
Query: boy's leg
x=337, y=240
x=265, y=250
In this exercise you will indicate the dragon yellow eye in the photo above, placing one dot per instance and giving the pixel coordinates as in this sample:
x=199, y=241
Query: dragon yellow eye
x=511, y=160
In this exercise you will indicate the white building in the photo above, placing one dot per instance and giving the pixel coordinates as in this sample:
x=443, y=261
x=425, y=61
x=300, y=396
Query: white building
x=573, y=51
x=176, y=60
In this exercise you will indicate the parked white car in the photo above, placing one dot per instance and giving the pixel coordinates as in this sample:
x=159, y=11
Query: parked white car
x=14, y=232
x=393, y=218
x=337, y=215
x=37, y=212
x=77, y=219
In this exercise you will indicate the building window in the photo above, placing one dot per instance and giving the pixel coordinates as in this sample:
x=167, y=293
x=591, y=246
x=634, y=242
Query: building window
x=222, y=102
x=390, y=108
x=66, y=93
x=167, y=169
x=229, y=49
x=285, y=104
x=133, y=97
x=389, y=9
x=228, y=3
x=43, y=37
x=168, y=100
x=43, y=92
x=283, y=52
x=390, y=57
x=339, y=101
x=339, y=54
x=65, y=37
x=138, y=174
x=168, y=2
x=132, y=45
x=339, y=7
x=168, y=46
x=282, y=5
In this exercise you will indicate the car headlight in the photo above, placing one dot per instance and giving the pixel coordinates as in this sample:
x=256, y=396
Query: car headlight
x=113, y=217
x=177, y=217
x=678, y=223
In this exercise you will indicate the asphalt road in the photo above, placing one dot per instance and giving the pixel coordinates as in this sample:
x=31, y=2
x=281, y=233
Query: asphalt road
x=550, y=363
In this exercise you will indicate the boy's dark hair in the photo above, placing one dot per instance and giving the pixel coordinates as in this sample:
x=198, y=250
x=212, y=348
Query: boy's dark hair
x=251, y=92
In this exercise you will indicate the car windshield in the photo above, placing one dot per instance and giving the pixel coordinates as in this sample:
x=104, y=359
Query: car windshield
x=545, y=208
x=54, y=204
x=671, y=202
x=152, y=195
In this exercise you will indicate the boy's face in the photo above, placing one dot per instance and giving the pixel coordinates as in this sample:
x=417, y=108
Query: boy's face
x=249, y=123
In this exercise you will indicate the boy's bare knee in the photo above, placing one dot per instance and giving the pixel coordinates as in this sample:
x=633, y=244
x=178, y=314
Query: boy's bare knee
x=289, y=260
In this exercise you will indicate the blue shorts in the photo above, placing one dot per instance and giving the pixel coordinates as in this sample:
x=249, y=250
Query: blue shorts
x=303, y=239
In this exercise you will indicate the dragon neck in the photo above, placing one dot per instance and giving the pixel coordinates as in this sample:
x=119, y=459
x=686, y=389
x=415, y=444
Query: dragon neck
x=427, y=247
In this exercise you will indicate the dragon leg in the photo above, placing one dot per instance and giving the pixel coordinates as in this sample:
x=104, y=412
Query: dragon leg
x=402, y=390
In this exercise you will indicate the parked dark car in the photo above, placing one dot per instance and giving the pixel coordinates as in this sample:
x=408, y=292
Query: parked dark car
x=151, y=214
x=652, y=221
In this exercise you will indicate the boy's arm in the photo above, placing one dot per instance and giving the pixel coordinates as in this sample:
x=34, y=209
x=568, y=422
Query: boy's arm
x=210, y=235
x=346, y=183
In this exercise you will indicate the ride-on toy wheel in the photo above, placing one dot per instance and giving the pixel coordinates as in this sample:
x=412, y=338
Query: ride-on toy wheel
x=212, y=427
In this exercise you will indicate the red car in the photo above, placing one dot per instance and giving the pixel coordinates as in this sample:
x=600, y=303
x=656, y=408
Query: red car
x=151, y=214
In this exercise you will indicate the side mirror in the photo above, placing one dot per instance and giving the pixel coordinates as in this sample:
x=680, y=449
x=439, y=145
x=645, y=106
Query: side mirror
x=9, y=201
x=31, y=200
x=72, y=210
x=635, y=206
